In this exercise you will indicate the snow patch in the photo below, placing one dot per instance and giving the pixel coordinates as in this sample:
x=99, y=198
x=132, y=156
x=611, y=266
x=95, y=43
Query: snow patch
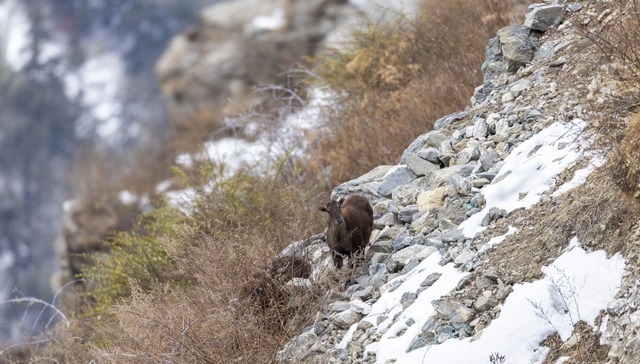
x=576, y=287
x=273, y=22
x=534, y=174
x=14, y=33
x=127, y=197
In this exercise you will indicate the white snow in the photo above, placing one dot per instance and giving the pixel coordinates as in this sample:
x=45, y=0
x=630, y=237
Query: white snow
x=163, y=186
x=497, y=240
x=98, y=82
x=534, y=174
x=575, y=287
x=14, y=33
x=580, y=176
x=273, y=22
x=388, y=305
x=127, y=197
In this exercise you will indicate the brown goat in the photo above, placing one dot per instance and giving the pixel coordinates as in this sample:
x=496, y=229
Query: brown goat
x=350, y=223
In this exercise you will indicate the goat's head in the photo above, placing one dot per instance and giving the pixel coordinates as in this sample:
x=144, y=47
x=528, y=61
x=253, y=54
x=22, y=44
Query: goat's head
x=332, y=207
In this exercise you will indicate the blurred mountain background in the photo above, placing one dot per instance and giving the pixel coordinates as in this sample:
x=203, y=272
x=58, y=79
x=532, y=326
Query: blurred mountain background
x=77, y=86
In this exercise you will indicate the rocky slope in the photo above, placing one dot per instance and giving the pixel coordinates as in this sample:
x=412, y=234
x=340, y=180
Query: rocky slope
x=475, y=256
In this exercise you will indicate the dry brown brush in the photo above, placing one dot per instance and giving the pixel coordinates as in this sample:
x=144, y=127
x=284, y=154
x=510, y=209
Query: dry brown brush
x=393, y=81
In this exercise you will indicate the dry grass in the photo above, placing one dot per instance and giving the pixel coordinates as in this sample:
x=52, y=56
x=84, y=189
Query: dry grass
x=395, y=80
x=585, y=350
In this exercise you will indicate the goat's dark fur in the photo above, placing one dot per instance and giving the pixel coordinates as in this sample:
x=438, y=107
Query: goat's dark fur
x=350, y=223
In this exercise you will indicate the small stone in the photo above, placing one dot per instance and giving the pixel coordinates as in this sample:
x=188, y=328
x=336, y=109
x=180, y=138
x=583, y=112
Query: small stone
x=339, y=306
x=430, y=280
x=407, y=299
x=424, y=254
x=430, y=154
x=410, y=266
x=497, y=213
x=454, y=311
x=346, y=318
x=508, y=97
x=403, y=257
x=363, y=294
x=543, y=17
x=360, y=307
x=431, y=199
x=364, y=325
x=387, y=219
x=503, y=292
x=398, y=177
x=485, y=303
x=522, y=195
x=480, y=182
x=575, y=7
x=382, y=247
x=402, y=242
x=486, y=220
x=379, y=258
x=406, y=214
x=558, y=62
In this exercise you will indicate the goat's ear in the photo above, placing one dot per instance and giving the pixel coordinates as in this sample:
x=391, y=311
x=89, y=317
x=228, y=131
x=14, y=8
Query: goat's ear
x=341, y=201
x=324, y=209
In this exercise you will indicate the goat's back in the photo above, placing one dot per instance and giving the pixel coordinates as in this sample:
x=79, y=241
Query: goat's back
x=358, y=214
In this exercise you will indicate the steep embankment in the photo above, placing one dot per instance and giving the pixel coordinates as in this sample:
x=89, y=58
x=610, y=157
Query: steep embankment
x=489, y=245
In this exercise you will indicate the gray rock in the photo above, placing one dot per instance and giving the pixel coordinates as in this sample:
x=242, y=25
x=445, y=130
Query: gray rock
x=440, y=177
x=558, y=62
x=453, y=311
x=420, y=166
x=452, y=236
x=379, y=258
x=407, y=299
x=430, y=280
x=391, y=232
x=544, y=17
x=363, y=294
x=346, y=318
x=488, y=159
x=406, y=214
x=434, y=138
x=462, y=185
x=430, y=325
x=465, y=256
x=298, y=347
x=486, y=220
x=366, y=184
x=339, y=306
x=409, y=266
x=472, y=212
x=497, y=213
x=485, y=303
x=520, y=87
x=449, y=119
x=402, y=242
x=384, y=246
x=380, y=277
x=360, y=307
x=446, y=158
x=488, y=175
x=413, y=148
x=400, y=176
x=503, y=292
x=430, y=154
x=575, y=7
x=517, y=48
x=403, y=257
x=480, y=128
x=387, y=219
